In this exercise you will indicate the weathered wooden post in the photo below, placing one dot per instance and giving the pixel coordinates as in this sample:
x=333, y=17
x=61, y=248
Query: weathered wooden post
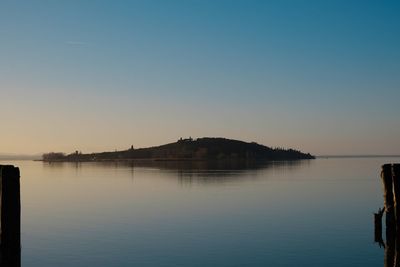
x=387, y=180
x=396, y=190
x=10, y=216
x=396, y=193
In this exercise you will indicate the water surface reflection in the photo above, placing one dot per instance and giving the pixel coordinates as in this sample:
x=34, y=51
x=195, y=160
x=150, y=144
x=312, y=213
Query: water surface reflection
x=192, y=171
x=311, y=213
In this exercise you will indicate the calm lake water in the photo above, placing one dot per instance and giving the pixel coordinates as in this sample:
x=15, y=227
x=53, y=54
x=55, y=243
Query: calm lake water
x=310, y=213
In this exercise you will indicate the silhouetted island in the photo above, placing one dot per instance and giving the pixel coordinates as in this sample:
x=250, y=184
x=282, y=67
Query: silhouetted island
x=206, y=148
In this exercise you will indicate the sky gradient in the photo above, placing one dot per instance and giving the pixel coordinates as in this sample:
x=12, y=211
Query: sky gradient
x=319, y=76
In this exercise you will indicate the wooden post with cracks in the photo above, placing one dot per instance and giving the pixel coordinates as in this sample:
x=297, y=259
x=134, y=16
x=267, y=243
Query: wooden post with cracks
x=390, y=176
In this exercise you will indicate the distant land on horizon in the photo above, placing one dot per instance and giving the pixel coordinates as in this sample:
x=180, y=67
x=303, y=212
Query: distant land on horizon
x=206, y=148
x=7, y=156
x=358, y=156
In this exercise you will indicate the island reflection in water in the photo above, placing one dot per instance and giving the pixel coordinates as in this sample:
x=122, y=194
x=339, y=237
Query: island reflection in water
x=211, y=171
x=316, y=213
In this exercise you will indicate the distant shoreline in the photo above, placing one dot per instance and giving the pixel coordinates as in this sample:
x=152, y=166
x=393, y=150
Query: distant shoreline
x=121, y=160
x=209, y=160
x=172, y=160
x=27, y=158
x=358, y=156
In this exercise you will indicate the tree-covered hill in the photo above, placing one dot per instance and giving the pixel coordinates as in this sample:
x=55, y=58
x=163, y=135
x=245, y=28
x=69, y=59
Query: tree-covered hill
x=188, y=149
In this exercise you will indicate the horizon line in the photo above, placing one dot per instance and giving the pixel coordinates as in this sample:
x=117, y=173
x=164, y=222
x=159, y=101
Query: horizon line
x=5, y=156
x=359, y=156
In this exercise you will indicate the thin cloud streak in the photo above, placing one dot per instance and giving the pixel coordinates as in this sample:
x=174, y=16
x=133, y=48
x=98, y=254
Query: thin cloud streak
x=77, y=43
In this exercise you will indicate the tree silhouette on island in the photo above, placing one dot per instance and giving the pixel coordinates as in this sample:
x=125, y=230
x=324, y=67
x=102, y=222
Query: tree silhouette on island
x=206, y=148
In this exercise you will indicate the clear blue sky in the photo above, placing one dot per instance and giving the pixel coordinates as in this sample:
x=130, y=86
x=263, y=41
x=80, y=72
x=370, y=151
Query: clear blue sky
x=320, y=76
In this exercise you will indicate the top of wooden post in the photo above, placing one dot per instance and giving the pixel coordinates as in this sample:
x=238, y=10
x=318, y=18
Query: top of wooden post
x=9, y=170
x=391, y=166
x=387, y=170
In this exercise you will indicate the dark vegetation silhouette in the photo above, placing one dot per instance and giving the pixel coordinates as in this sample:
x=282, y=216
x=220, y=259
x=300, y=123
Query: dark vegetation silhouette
x=206, y=148
x=53, y=156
